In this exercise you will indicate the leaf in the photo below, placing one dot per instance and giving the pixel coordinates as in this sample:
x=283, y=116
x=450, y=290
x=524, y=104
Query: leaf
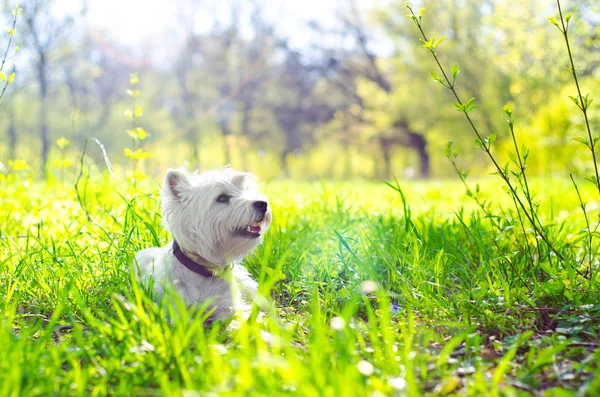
x=448, y=150
x=421, y=11
x=448, y=385
x=582, y=140
x=458, y=107
x=344, y=243
x=469, y=105
x=568, y=17
x=438, y=41
x=455, y=71
x=575, y=101
x=438, y=79
x=553, y=21
x=492, y=138
x=428, y=44
x=592, y=179
x=524, y=152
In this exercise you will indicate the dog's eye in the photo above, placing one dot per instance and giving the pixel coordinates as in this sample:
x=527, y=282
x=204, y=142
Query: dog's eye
x=223, y=198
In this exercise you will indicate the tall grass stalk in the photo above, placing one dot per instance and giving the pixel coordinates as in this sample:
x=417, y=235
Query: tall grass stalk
x=485, y=144
x=582, y=102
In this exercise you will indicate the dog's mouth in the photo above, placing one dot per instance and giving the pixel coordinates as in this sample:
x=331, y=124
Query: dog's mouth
x=251, y=231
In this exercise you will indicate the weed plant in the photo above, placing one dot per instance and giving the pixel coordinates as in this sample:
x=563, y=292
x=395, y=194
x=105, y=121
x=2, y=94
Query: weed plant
x=374, y=289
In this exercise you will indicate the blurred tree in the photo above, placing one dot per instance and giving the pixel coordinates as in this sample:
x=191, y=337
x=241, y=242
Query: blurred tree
x=44, y=30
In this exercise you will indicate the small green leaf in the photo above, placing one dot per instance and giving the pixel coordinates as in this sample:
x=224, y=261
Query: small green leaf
x=455, y=71
x=553, y=21
x=469, y=105
x=575, y=100
x=458, y=107
x=438, y=79
x=524, y=152
x=421, y=12
x=428, y=44
x=438, y=41
x=568, y=17
x=585, y=141
x=491, y=138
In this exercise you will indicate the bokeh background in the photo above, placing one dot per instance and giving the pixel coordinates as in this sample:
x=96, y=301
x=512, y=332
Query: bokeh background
x=332, y=89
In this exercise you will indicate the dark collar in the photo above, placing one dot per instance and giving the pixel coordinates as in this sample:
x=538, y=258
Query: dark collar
x=198, y=268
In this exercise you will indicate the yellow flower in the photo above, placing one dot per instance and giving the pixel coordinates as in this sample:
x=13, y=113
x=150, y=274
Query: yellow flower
x=133, y=78
x=62, y=163
x=63, y=142
x=141, y=133
x=138, y=133
x=137, y=155
x=17, y=165
x=138, y=111
x=136, y=175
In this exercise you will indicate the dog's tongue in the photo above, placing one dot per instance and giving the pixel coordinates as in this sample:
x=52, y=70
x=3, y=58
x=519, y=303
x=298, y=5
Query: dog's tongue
x=254, y=228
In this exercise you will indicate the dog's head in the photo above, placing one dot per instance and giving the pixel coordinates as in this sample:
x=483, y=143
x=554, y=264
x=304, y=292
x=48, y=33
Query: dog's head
x=219, y=215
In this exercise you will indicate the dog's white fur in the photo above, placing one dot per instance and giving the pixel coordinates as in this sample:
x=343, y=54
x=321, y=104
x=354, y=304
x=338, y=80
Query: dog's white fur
x=209, y=229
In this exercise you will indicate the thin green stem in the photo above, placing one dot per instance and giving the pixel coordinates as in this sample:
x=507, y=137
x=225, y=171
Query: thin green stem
x=589, y=231
x=486, y=148
x=525, y=184
x=14, y=25
x=582, y=104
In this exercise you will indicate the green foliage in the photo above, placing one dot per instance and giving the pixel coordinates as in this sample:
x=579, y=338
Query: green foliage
x=374, y=290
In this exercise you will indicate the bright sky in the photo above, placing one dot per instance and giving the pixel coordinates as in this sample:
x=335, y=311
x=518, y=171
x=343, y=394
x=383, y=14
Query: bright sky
x=136, y=21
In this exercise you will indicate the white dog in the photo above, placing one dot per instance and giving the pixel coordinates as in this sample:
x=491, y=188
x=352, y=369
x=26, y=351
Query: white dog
x=216, y=219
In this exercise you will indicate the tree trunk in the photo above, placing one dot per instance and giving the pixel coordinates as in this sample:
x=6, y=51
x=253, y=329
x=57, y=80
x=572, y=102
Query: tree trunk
x=418, y=142
x=386, y=150
x=43, y=82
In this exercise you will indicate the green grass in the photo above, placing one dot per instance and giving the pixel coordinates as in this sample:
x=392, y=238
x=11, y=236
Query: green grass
x=461, y=306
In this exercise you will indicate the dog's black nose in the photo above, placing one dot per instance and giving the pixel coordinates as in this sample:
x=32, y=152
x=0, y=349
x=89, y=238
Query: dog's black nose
x=261, y=206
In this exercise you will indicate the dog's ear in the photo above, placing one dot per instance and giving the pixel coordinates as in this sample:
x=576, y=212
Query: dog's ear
x=176, y=181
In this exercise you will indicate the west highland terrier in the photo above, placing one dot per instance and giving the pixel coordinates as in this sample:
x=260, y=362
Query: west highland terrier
x=216, y=219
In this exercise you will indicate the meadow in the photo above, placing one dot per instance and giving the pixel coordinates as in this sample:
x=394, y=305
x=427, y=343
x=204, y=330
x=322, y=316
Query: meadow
x=374, y=290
